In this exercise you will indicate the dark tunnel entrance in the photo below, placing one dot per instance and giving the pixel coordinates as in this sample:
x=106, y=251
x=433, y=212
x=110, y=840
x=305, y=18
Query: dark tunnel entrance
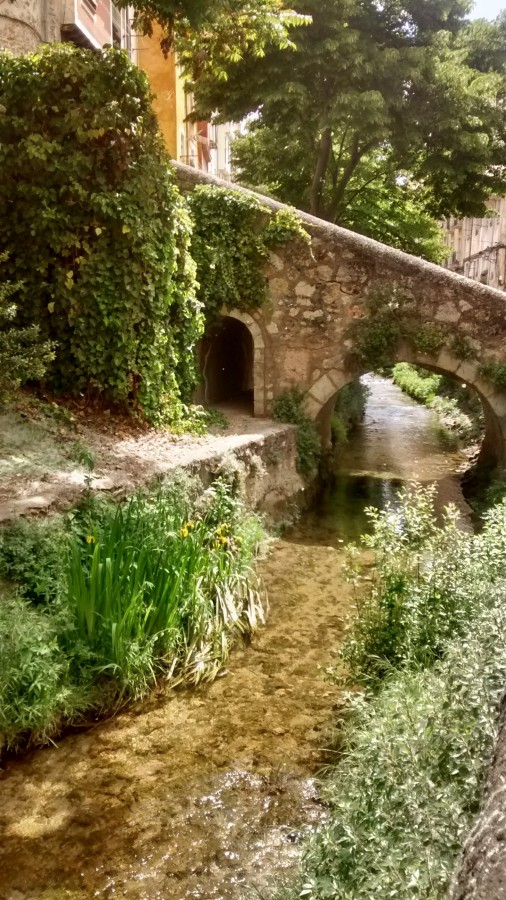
x=226, y=356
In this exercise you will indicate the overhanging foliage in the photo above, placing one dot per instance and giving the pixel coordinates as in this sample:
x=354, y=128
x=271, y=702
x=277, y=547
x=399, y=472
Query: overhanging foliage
x=232, y=235
x=95, y=229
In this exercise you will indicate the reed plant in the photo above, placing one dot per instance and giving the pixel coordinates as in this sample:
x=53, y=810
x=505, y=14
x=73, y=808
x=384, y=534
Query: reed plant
x=158, y=586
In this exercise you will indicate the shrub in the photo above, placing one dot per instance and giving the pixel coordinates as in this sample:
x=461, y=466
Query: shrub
x=37, y=692
x=95, y=229
x=421, y=387
x=288, y=407
x=459, y=410
x=30, y=556
x=430, y=639
x=23, y=356
x=495, y=372
x=404, y=794
x=427, y=581
x=349, y=410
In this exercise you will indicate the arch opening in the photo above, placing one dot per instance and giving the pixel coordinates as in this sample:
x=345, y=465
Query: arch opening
x=226, y=361
x=456, y=399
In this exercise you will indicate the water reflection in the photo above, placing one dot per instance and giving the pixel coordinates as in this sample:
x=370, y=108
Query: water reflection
x=398, y=442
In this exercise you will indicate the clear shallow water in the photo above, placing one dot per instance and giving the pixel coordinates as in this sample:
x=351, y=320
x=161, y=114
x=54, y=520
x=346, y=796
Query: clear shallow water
x=206, y=794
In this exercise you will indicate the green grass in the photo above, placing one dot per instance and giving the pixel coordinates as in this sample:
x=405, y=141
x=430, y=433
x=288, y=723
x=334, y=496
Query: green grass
x=417, y=739
x=38, y=692
x=108, y=600
x=458, y=409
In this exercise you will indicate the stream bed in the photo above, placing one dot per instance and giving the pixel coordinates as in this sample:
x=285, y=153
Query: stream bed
x=207, y=793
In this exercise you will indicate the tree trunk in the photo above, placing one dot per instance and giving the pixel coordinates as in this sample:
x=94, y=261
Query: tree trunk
x=338, y=195
x=320, y=172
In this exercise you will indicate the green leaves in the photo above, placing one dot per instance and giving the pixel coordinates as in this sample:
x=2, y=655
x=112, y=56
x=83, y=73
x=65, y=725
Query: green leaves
x=429, y=638
x=96, y=231
x=232, y=234
x=383, y=117
x=23, y=356
x=115, y=595
x=288, y=407
x=209, y=35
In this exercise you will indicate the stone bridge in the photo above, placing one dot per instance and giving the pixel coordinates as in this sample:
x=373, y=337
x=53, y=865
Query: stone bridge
x=320, y=309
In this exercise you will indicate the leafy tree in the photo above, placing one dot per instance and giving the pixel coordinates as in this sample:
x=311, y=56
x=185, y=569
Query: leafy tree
x=390, y=90
x=226, y=29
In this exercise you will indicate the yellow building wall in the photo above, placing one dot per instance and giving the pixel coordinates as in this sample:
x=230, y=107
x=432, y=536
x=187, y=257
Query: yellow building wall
x=167, y=87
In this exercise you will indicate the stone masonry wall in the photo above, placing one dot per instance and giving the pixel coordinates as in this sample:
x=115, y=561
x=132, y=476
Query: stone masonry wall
x=303, y=336
x=24, y=24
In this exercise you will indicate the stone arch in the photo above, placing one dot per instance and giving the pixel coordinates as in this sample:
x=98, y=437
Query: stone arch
x=321, y=397
x=259, y=358
x=231, y=356
x=315, y=297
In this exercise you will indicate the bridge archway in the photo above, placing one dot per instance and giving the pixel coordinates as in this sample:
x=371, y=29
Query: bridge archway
x=319, y=290
x=231, y=357
x=321, y=398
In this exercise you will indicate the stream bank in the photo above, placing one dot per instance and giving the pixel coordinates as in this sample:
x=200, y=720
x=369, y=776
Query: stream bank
x=50, y=459
x=207, y=794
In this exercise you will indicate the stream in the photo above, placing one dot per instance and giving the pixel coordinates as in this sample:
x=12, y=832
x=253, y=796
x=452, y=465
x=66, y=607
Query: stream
x=208, y=793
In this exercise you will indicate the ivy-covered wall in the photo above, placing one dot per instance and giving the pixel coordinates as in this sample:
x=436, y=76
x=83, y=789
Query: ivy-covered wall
x=233, y=233
x=96, y=232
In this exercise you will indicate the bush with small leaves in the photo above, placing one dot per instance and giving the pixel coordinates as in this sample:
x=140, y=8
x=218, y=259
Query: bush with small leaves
x=288, y=407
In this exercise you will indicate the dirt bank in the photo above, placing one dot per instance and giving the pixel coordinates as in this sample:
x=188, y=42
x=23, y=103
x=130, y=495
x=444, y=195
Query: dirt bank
x=45, y=458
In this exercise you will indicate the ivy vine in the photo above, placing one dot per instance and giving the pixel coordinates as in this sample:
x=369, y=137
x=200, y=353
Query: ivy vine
x=392, y=316
x=95, y=229
x=232, y=235
x=98, y=239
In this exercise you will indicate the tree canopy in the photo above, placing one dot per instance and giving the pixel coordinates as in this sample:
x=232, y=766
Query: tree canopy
x=374, y=111
x=225, y=30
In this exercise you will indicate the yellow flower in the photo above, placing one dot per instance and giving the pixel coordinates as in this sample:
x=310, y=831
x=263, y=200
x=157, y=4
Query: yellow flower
x=184, y=532
x=90, y=539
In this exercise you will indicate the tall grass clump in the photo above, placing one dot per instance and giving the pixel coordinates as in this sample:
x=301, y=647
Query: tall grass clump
x=37, y=691
x=427, y=648
x=157, y=587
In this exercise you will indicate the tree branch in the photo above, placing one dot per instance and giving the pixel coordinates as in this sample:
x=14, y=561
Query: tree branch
x=356, y=154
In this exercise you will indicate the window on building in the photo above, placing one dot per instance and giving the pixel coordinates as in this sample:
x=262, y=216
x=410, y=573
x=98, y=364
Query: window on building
x=121, y=32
